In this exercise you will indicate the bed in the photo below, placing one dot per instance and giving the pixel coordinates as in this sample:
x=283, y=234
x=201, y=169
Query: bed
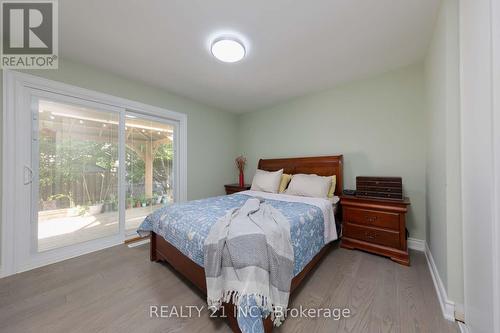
x=177, y=240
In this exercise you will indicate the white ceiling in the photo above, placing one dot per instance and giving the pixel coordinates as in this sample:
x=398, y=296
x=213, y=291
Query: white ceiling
x=293, y=47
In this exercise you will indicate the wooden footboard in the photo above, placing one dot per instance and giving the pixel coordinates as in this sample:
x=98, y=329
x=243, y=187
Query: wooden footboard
x=161, y=250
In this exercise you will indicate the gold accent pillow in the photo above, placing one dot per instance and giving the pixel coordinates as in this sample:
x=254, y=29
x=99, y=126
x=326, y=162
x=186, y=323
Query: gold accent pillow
x=285, y=179
x=332, y=188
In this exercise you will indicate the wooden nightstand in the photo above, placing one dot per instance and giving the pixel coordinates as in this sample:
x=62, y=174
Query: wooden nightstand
x=234, y=188
x=375, y=225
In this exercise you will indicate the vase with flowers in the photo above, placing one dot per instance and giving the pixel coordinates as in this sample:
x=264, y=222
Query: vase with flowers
x=240, y=162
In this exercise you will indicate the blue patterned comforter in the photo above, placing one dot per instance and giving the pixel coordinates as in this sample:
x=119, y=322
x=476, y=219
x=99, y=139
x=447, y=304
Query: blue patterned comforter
x=186, y=225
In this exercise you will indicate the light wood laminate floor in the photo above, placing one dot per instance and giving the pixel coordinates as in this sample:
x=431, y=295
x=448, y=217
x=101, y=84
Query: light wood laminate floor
x=111, y=291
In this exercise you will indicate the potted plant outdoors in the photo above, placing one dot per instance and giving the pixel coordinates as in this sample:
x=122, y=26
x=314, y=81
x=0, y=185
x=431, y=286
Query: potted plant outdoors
x=111, y=205
x=164, y=199
x=114, y=204
x=144, y=201
x=130, y=202
x=108, y=206
x=240, y=162
x=95, y=208
x=157, y=199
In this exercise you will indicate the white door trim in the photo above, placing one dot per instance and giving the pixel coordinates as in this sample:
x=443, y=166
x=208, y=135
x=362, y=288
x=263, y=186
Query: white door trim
x=480, y=125
x=14, y=84
x=495, y=80
x=7, y=232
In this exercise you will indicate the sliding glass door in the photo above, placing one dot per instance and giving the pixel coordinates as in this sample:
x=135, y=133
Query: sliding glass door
x=96, y=172
x=81, y=169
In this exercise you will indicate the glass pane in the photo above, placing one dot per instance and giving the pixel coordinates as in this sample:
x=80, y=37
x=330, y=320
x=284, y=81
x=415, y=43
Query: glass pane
x=78, y=174
x=149, y=161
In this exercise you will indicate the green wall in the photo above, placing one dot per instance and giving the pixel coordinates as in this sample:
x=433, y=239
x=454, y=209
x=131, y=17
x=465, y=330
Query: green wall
x=378, y=124
x=211, y=137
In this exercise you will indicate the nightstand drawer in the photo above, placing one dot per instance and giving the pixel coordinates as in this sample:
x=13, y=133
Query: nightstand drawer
x=372, y=235
x=372, y=218
x=235, y=188
x=232, y=190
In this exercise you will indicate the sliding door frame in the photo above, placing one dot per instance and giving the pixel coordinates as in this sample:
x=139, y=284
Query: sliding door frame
x=15, y=87
x=495, y=40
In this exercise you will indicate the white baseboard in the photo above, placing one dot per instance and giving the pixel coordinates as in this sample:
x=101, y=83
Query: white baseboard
x=416, y=244
x=447, y=306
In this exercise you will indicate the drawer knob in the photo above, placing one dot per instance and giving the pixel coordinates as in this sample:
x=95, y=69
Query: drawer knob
x=371, y=218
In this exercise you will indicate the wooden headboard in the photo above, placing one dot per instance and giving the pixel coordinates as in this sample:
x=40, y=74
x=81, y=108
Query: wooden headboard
x=320, y=165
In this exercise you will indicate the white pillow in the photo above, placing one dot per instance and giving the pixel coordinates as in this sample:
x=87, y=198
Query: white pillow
x=309, y=186
x=266, y=181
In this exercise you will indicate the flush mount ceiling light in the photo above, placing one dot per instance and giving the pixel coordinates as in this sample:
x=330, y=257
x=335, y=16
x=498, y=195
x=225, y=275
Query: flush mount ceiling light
x=228, y=49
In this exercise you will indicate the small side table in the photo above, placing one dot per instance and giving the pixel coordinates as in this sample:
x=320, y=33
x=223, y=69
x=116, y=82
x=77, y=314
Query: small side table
x=234, y=188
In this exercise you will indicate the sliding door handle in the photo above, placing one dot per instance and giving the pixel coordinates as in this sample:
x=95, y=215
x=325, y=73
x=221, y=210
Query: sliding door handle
x=28, y=175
